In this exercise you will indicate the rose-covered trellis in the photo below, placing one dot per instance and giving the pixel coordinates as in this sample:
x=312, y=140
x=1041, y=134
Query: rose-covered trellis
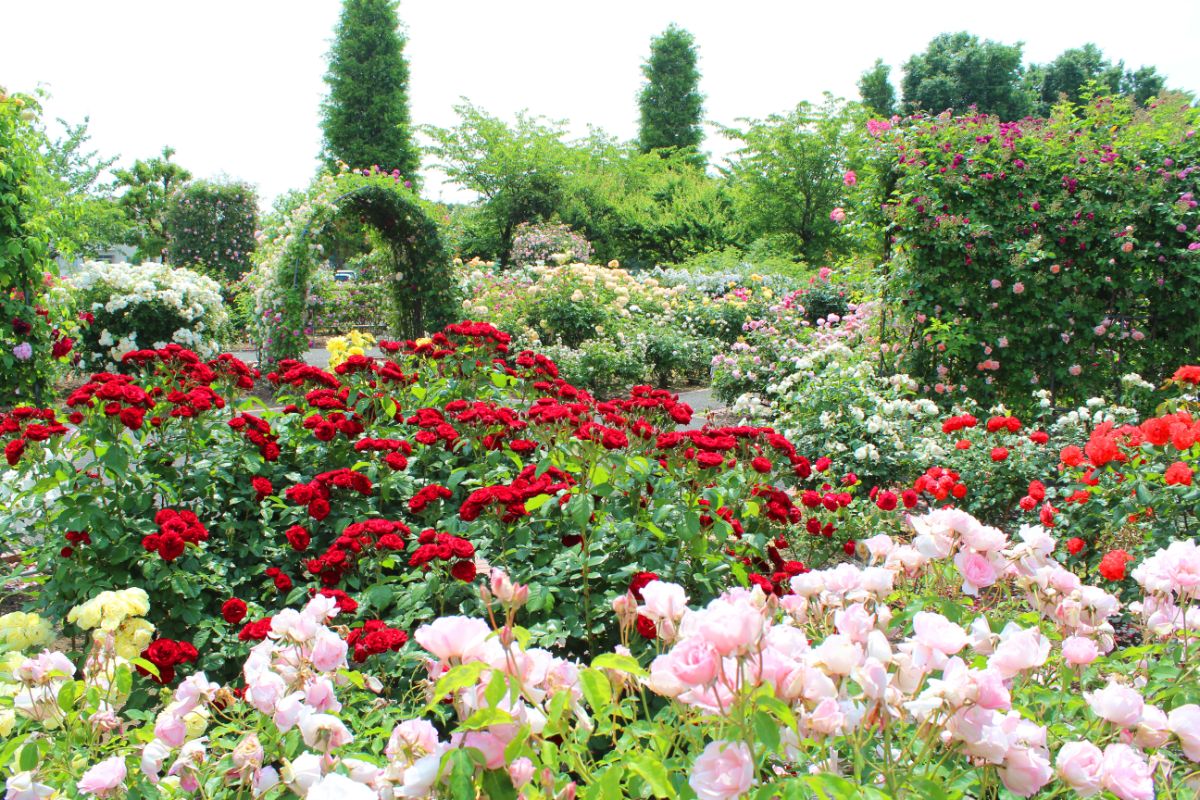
x=292, y=250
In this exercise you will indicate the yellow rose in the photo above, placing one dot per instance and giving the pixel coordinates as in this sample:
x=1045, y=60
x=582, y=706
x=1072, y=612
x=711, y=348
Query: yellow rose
x=21, y=631
x=7, y=719
x=196, y=722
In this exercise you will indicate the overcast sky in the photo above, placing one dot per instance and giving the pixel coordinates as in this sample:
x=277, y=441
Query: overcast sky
x=235, y=85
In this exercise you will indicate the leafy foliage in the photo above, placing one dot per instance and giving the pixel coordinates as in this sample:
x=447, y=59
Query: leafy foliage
x=788, y=174
x=958, y=70
x=147, y=191
x=876, y=90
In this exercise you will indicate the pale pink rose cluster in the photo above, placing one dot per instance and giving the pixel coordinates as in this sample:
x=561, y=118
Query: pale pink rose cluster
x=42, y=677
x=415, y=751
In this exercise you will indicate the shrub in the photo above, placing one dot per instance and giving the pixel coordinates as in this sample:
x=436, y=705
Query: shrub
x=211, y=228
x=1056, y=253
x=148, y=305
x=545, y=242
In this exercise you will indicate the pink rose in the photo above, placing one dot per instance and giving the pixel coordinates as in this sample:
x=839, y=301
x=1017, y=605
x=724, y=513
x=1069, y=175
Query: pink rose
x=103, y=778
x=731, y=626
x=664, y=600
x=1026, y=770
x=850, y=178
x=1184, y=722
x=1126, y=774
x=413, y=737
x=977, y=571
x=324, y=731
x=1118, y=704
x=1079, y=765
x=724, y=770
x=452, y=638
x=1079, y=651
x=938, y=633
x=838, y=215
x=1019, y=649
x=171, y=729
x=329, y=651
x=520, y=772
x=694, y=661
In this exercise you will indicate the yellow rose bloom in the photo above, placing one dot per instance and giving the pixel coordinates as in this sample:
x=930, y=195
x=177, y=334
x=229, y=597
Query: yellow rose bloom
x=21, y=631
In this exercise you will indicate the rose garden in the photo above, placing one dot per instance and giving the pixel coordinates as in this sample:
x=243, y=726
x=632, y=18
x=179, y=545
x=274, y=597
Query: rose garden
x=938, y=540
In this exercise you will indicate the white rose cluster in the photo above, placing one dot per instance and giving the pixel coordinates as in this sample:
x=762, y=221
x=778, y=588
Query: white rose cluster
x=114, y=293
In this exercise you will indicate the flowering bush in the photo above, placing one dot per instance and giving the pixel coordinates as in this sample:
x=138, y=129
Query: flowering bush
x=606, y=328
x=211, y=227
x=1091, y=214
x=148, y=305
x=546, y=242
x=874, y=678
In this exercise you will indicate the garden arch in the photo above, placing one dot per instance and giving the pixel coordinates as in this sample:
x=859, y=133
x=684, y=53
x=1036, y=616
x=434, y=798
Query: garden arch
x=423, y=287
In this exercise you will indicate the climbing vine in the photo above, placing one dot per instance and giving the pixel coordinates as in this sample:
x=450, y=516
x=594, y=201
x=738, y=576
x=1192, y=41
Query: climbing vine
x=292, y=250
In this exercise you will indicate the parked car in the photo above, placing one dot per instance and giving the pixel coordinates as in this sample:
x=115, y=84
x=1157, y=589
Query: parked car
x=343, y=275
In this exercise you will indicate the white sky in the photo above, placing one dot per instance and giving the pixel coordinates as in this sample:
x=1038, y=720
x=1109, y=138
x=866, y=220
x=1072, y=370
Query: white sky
x=235, y=85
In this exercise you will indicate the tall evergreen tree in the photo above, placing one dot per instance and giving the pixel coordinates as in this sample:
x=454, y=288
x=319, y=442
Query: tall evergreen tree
x=876, y=90
x=670, y=101
x=365, y=117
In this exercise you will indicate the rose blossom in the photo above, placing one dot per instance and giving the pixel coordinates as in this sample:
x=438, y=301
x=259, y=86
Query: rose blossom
x=103, y=778
x=1079, y=651
x=1118, y=704
x=1079, y=764
x=1126, y=774
x=724, y=770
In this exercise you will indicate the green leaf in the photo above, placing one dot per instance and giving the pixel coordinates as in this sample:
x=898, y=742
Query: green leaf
x=67, y=695
x=496, y=783
x=767, y=729
x=486, y=717
x=462, y=774
x=459, y=677
x=610, y=782
x=596, y=689
x=29, y=758
x=652, y=771
x=536, y=502
x=619, y=663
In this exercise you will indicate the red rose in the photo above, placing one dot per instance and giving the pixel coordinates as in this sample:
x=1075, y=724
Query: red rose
x=1071, y=455
x=614, y=439
x=62, y=347
x=324, y=431
x=162, y=653
x=13, y=451
x=823, y=463
x=761, y=464
x=396, y=461
x=959, y=490
x=1075, y=546
x=233, y=610
x=886, y=500
x=999, y=453
x=282, y=582
x=464, y=571
x=1112, y=566
x=132, y=418
x=187, y=652
x=849, y=546
x=1039, y=437
x=318, y=509
x=963, y=444
x=710, y=460
x=646, y=627
x=171, y=546
x=1046, y=515
x=262, y=487
x=1028, y=503
x=298, y=537
x=1037, y=490
x=1178, y=474
x=909, y=497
